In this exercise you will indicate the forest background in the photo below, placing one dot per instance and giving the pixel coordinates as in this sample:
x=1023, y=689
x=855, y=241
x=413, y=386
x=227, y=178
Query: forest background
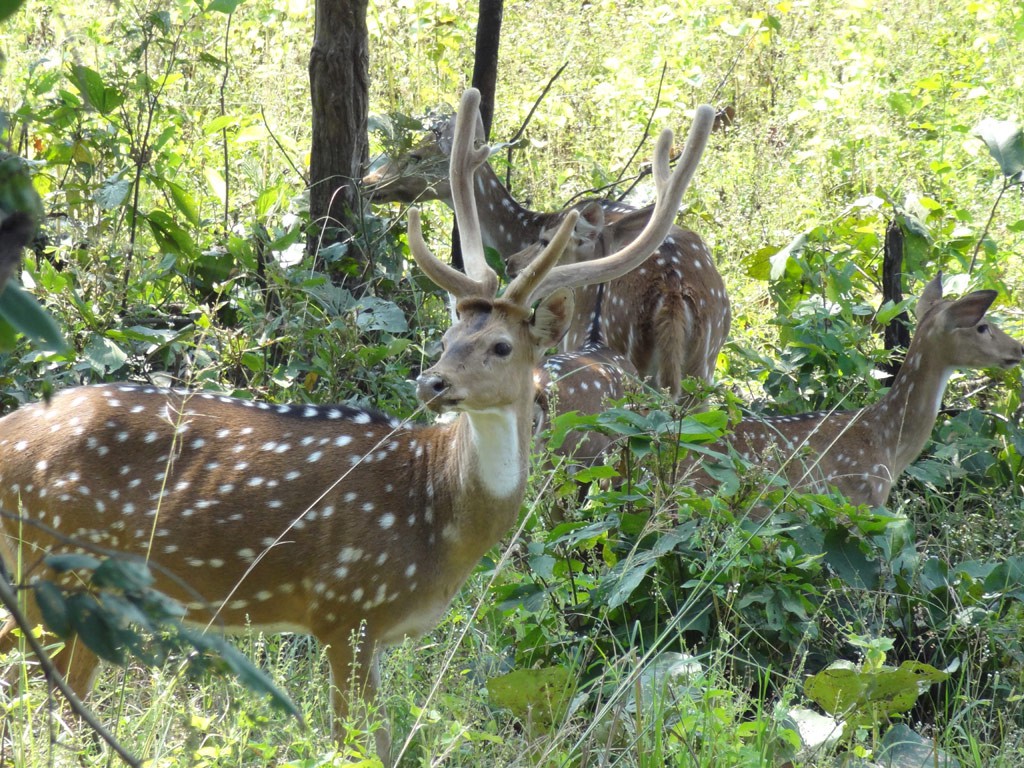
x=170, y=145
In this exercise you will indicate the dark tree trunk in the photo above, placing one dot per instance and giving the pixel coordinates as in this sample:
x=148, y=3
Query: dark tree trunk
x=897, y=332
x=485, y=76
x=485, y=62
x=339, y=88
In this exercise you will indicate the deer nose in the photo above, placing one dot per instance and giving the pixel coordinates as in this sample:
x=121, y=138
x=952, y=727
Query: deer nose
x=430, y=386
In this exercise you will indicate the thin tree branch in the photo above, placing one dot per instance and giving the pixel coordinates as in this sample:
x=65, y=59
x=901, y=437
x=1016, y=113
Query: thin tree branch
x=284, y=152
x=522, y=128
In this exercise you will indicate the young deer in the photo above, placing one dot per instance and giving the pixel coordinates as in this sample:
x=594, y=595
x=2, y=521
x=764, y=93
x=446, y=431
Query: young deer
x=329, y=520
x=582, y=380
x=861, y=453
x=670, y=317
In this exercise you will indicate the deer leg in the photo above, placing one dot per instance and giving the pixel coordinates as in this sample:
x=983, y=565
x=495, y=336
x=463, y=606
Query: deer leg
x=356, y=677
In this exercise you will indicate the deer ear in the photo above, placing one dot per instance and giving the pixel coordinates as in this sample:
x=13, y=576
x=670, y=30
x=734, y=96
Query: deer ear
x=590, y=224
x=968, y=311
x=930, y=296
x=551, y=319
x=626, y=228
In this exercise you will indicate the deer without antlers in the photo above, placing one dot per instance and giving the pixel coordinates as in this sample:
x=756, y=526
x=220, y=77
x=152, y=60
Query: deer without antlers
x=293, y=516
x=862, y=452
x=669, y=317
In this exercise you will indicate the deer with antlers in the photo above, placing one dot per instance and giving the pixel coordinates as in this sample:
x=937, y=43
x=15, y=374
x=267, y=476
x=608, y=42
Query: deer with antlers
x=669, y=317
x=339, y=522
x=862, y=452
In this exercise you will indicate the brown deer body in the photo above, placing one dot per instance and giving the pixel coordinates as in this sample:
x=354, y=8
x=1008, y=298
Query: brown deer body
x=861, y=453
x=339, y=522
x=669, y=317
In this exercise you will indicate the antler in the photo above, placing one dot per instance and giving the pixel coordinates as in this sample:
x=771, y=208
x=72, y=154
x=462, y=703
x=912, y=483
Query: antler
x=670, y=186
x=479, y=279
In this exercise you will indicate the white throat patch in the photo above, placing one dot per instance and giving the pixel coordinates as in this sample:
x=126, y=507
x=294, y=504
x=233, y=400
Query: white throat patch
x=496, y=446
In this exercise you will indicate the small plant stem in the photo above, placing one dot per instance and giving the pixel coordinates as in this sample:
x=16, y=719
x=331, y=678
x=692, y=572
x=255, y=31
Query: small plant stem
x=1007, y=184
x=223, y=111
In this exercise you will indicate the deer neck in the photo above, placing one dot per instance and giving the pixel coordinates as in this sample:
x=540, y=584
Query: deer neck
x=905, y=416
x=484, y=458
x=506, y=226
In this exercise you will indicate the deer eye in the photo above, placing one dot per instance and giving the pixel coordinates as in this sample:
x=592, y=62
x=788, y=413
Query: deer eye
x=983, y=328
x=502, y=349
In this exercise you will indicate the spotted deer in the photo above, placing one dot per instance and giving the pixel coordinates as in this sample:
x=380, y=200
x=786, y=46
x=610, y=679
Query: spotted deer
x=583, y=380
x=669, y=317
x=862, y=452
x=340, y=522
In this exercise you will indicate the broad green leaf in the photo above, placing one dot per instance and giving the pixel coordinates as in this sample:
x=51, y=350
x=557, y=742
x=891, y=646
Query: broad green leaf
x=224, y=6
x=92, y=627
x=113, y=191
x=8, y=7
x=90, y=83
x=901, y=747
x=122, y=573
x=1005, y=141
x=50, y=600
x=843, y=554
x=184, y=202
x=72, y=562
x=781, y=258
x=20, y=308
x=104, y=355
x=540, y=696
x=235, y=662
x=170, y=237
x=373, y=314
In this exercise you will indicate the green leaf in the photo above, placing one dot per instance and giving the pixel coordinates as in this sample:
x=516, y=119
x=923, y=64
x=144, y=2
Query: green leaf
x=20, y=308
x=780, y=260
x=170, y=237
x=8, y=7
x=104, y=355
x=224, y=6
x=373, y=314
x=113, y=191
x=91, y=625
x=540, y=696
x=1005, y=141
x=235, y=662
x=90, y=83
x=184, y=202
x=50, y=600
x=72, y=562
x=122, y=573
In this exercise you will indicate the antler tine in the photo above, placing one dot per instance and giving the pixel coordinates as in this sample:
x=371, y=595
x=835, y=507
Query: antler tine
x=479, y=279
x=464, y=162
x=523, y=286
x=443, y=275
x=670, y=187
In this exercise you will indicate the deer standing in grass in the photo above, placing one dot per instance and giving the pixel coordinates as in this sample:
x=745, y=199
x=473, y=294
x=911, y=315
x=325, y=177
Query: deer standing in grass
x=861, y=453
x=329, y=520
x=669, y=318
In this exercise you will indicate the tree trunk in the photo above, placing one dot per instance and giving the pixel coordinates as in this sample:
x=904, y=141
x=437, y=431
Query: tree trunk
x=339, y=89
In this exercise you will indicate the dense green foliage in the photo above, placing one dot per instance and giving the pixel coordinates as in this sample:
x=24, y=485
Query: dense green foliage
x=168, y=145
